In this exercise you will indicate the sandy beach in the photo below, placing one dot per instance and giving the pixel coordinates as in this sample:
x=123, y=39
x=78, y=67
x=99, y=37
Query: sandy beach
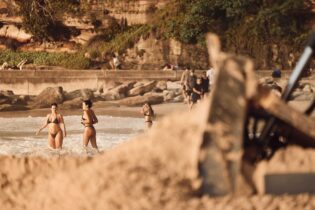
x=157, y=170
x=113, y=109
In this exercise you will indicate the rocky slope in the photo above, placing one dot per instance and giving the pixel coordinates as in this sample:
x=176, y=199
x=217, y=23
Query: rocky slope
x=154, y=52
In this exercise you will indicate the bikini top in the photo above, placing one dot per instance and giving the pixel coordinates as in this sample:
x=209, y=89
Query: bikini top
x=56, y=121
x=86, y=125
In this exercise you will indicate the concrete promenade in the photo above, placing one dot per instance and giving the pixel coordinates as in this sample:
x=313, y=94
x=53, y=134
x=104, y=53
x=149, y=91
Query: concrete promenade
x=32, y=82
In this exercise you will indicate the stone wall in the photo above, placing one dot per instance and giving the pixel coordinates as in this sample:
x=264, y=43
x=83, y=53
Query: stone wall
x=152, y=53
x=31, y=82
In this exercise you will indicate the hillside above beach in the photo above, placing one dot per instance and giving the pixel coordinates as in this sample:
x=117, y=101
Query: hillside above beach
x=148, y=34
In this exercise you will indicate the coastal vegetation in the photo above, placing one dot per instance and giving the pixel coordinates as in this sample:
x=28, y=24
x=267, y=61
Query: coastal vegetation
x=43, y=18
x=235, y=21
x=67, y=60
x=243, y=25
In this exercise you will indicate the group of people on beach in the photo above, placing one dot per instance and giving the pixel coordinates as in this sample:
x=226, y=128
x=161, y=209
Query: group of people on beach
x=57, y=128
x=196, y=88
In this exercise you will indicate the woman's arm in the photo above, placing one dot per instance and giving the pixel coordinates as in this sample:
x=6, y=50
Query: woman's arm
x=95, y=120
x=43, y=126
x=144, y=110
x=196, y=91
x=63, y=125
x=88, y=119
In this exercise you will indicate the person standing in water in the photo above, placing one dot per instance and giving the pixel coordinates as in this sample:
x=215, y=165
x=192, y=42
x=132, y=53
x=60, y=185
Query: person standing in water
x=88, y=120
x=55, y=122
x=148, y=113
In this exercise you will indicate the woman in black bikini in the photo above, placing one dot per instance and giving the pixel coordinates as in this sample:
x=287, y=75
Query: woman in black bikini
x=88, y=120
x=148, y=113
x=54, y=121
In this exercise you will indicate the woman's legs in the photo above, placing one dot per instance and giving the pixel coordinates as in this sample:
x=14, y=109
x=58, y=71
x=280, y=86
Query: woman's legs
x=86, y=136
x=148, y=124
x=59, y=140
x=93, y=141
x=89, y=135
x=51, y=141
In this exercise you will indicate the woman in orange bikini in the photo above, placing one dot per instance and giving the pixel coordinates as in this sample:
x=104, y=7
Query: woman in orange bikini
x=54, y=121
x=88, y=120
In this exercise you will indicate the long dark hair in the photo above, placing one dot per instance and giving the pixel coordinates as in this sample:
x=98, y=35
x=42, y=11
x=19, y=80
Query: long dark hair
x=88, y=103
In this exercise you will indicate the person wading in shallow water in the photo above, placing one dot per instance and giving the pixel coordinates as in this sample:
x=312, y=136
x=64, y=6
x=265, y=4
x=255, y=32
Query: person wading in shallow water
x=55, y=134
x=148, y=113
x=88, y=120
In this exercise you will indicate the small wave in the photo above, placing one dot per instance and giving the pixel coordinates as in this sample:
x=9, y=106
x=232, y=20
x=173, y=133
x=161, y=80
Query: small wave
x=17, y=135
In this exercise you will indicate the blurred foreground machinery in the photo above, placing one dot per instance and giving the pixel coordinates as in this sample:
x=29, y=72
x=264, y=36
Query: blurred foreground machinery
x=247, y=121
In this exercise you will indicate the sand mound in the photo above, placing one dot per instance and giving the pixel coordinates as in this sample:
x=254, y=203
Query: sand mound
x=293, y=159
x=155, y=171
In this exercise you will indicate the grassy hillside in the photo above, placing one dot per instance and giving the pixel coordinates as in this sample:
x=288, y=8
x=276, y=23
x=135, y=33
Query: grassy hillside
x=244, y=26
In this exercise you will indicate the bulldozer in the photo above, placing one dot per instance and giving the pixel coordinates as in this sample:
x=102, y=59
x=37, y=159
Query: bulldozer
x=247, y=121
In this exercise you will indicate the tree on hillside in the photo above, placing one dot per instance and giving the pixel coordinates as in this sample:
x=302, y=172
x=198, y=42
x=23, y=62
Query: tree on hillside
x=43, y=18
x=188, y=20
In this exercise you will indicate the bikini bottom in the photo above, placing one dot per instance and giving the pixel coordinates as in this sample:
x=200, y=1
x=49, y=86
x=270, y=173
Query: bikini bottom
x=54, y=134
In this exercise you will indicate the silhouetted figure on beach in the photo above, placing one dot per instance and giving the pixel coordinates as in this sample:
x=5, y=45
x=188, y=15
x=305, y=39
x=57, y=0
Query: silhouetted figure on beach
x=197, y=92
x=191, y=82
x=184, y=84
x=205, y=83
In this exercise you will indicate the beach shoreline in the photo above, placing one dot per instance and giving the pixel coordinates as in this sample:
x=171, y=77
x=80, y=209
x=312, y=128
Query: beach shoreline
x=102, y=108
x=116, y=110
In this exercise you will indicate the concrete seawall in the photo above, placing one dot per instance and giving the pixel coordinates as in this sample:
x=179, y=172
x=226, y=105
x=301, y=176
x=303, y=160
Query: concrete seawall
x=32, y=82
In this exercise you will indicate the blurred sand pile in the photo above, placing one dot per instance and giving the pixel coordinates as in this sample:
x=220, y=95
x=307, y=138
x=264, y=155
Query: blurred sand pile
x=156, y=171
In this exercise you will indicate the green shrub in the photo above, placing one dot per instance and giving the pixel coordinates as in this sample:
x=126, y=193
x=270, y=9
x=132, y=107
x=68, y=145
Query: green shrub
x=279, y=20
x=43, y=18
x=119, y=42
x=71, y=61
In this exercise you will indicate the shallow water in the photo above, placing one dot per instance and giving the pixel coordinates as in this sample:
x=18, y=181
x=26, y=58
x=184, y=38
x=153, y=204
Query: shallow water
x=17, y=135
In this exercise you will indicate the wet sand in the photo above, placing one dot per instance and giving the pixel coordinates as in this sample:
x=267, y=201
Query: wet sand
x=104, y=108
x=112, y=109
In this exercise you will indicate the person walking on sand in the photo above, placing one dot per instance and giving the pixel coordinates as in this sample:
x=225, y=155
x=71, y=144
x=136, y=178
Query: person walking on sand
x=184, y=84
x=211, y=74
x=88, y=120
x=55, y=122
x=205, y=84
x=148, y=113
x=191, y=82
x=197, y=93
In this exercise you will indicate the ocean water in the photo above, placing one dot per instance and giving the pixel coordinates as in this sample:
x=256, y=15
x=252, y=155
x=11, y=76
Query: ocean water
x=17, y=135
